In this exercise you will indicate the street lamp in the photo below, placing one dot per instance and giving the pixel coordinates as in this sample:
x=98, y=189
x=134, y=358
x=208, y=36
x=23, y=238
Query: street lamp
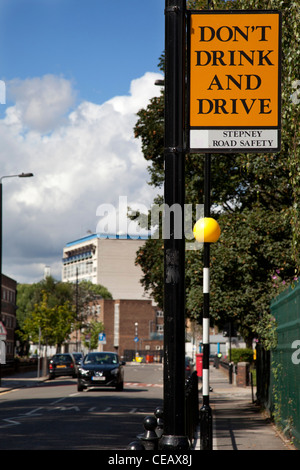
x=21, y=175
x=136, y=338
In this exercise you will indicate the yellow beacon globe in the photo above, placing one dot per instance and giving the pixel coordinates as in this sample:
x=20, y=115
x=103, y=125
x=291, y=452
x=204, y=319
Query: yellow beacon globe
x=207, y=230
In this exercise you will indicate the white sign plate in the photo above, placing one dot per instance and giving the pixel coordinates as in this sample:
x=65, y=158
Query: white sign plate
x=234, y=139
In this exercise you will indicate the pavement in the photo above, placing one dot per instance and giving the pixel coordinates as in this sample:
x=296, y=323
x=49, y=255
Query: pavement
x=238, y=422
x=20, y=380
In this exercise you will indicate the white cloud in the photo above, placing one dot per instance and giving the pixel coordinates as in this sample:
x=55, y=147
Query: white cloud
x=81, y=157
x=41, y=102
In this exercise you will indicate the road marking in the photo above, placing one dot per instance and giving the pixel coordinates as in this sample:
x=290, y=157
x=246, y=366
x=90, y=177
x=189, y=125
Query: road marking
x=108, y=408
x=67, y=408
x=32, y=412
x=57, y=401
x=138, y=384
x=11, y=421
x=133, y=410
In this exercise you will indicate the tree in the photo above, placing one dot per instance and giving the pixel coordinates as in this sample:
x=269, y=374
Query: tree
x=54, y=309
x=28, y=295
x=91, y=334
x=254, y=197
x=86, y=296
x=51, y=325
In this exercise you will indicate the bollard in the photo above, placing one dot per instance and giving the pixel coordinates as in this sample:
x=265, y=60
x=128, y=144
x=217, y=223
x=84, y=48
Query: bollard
x=149, y=439
x=230, y=372
x=135, y=445
x=205, y=428
x=159, y=418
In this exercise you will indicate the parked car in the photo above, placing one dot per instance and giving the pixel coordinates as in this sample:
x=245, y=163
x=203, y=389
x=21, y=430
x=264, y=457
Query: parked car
x=62, y=364
x=101, y=369
x=189, y=367
x=78, y=356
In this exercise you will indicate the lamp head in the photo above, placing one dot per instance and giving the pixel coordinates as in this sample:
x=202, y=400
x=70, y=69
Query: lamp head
x=25, y=175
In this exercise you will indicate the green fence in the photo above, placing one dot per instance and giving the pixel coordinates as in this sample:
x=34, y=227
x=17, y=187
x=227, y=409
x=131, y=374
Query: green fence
x=285, y=364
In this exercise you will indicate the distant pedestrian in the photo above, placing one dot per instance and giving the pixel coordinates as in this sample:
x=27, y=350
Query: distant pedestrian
x=216, y=361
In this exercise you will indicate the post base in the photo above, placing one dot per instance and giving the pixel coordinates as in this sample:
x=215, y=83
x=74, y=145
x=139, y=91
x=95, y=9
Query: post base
x=206, y=435
x=173, y=443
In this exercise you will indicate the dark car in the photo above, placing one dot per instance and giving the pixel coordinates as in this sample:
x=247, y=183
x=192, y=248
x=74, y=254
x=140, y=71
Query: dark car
x=62, y=364
x=78, y=356
x=101, y=369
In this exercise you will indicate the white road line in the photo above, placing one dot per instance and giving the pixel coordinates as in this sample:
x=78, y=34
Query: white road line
x=57, y=401
x=33, y=412
x=11, y=421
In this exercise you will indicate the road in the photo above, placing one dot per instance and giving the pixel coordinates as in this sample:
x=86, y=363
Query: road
x=55, y=416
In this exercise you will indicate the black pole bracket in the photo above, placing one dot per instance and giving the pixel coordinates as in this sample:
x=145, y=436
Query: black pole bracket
x=174, y=150
x=174, y=9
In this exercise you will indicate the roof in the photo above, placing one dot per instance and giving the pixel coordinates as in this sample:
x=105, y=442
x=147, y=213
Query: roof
x=109, y=236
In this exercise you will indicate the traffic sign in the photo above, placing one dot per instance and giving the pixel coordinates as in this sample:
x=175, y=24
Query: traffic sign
x=136, y=339
x=102, y=338
x=234, y=81
x=3, y=332
x=2, y=352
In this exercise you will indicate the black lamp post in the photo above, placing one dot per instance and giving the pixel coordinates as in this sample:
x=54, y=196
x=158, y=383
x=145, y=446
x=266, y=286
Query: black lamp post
x=174, y=437
x=21, y=175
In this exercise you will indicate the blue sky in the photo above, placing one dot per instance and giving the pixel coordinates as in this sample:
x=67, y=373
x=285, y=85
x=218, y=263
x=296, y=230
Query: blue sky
x=101, y=46
x=76, y=74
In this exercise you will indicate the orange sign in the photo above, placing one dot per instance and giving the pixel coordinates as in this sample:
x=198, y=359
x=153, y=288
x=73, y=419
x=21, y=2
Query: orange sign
x=234, y=70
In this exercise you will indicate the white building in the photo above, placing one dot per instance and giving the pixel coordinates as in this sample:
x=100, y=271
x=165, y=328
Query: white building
x=106, y=261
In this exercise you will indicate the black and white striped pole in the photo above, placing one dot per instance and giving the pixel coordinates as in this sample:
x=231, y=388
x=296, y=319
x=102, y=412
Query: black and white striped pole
x=207, y=231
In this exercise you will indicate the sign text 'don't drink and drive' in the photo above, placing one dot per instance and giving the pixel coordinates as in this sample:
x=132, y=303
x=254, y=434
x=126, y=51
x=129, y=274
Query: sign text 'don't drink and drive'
x=234, y=80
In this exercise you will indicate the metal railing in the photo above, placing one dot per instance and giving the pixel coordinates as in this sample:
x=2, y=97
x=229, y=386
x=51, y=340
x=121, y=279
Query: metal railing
x=191, y=406
x=154, y=425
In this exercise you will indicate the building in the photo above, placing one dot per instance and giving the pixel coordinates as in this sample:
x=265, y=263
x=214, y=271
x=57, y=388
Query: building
x=8, y=313
x=131, y=321
x=130, y=327
x=106, y=261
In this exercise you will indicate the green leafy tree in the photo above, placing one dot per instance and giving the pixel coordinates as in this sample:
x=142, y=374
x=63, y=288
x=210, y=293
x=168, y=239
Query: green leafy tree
x=51, y=325
x=59, y=306
x=91, y=334
x=85, y=296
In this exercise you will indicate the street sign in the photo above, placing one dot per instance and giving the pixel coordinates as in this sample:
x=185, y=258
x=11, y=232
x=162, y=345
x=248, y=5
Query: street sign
x=3, y=332
x=102, y=338
x=2, y=352
x=136, y=339
x=234, y=81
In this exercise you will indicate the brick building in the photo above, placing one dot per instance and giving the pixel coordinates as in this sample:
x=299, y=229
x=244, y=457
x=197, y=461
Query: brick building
x=8, y=313
x=124, y=321
x=131, y=314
